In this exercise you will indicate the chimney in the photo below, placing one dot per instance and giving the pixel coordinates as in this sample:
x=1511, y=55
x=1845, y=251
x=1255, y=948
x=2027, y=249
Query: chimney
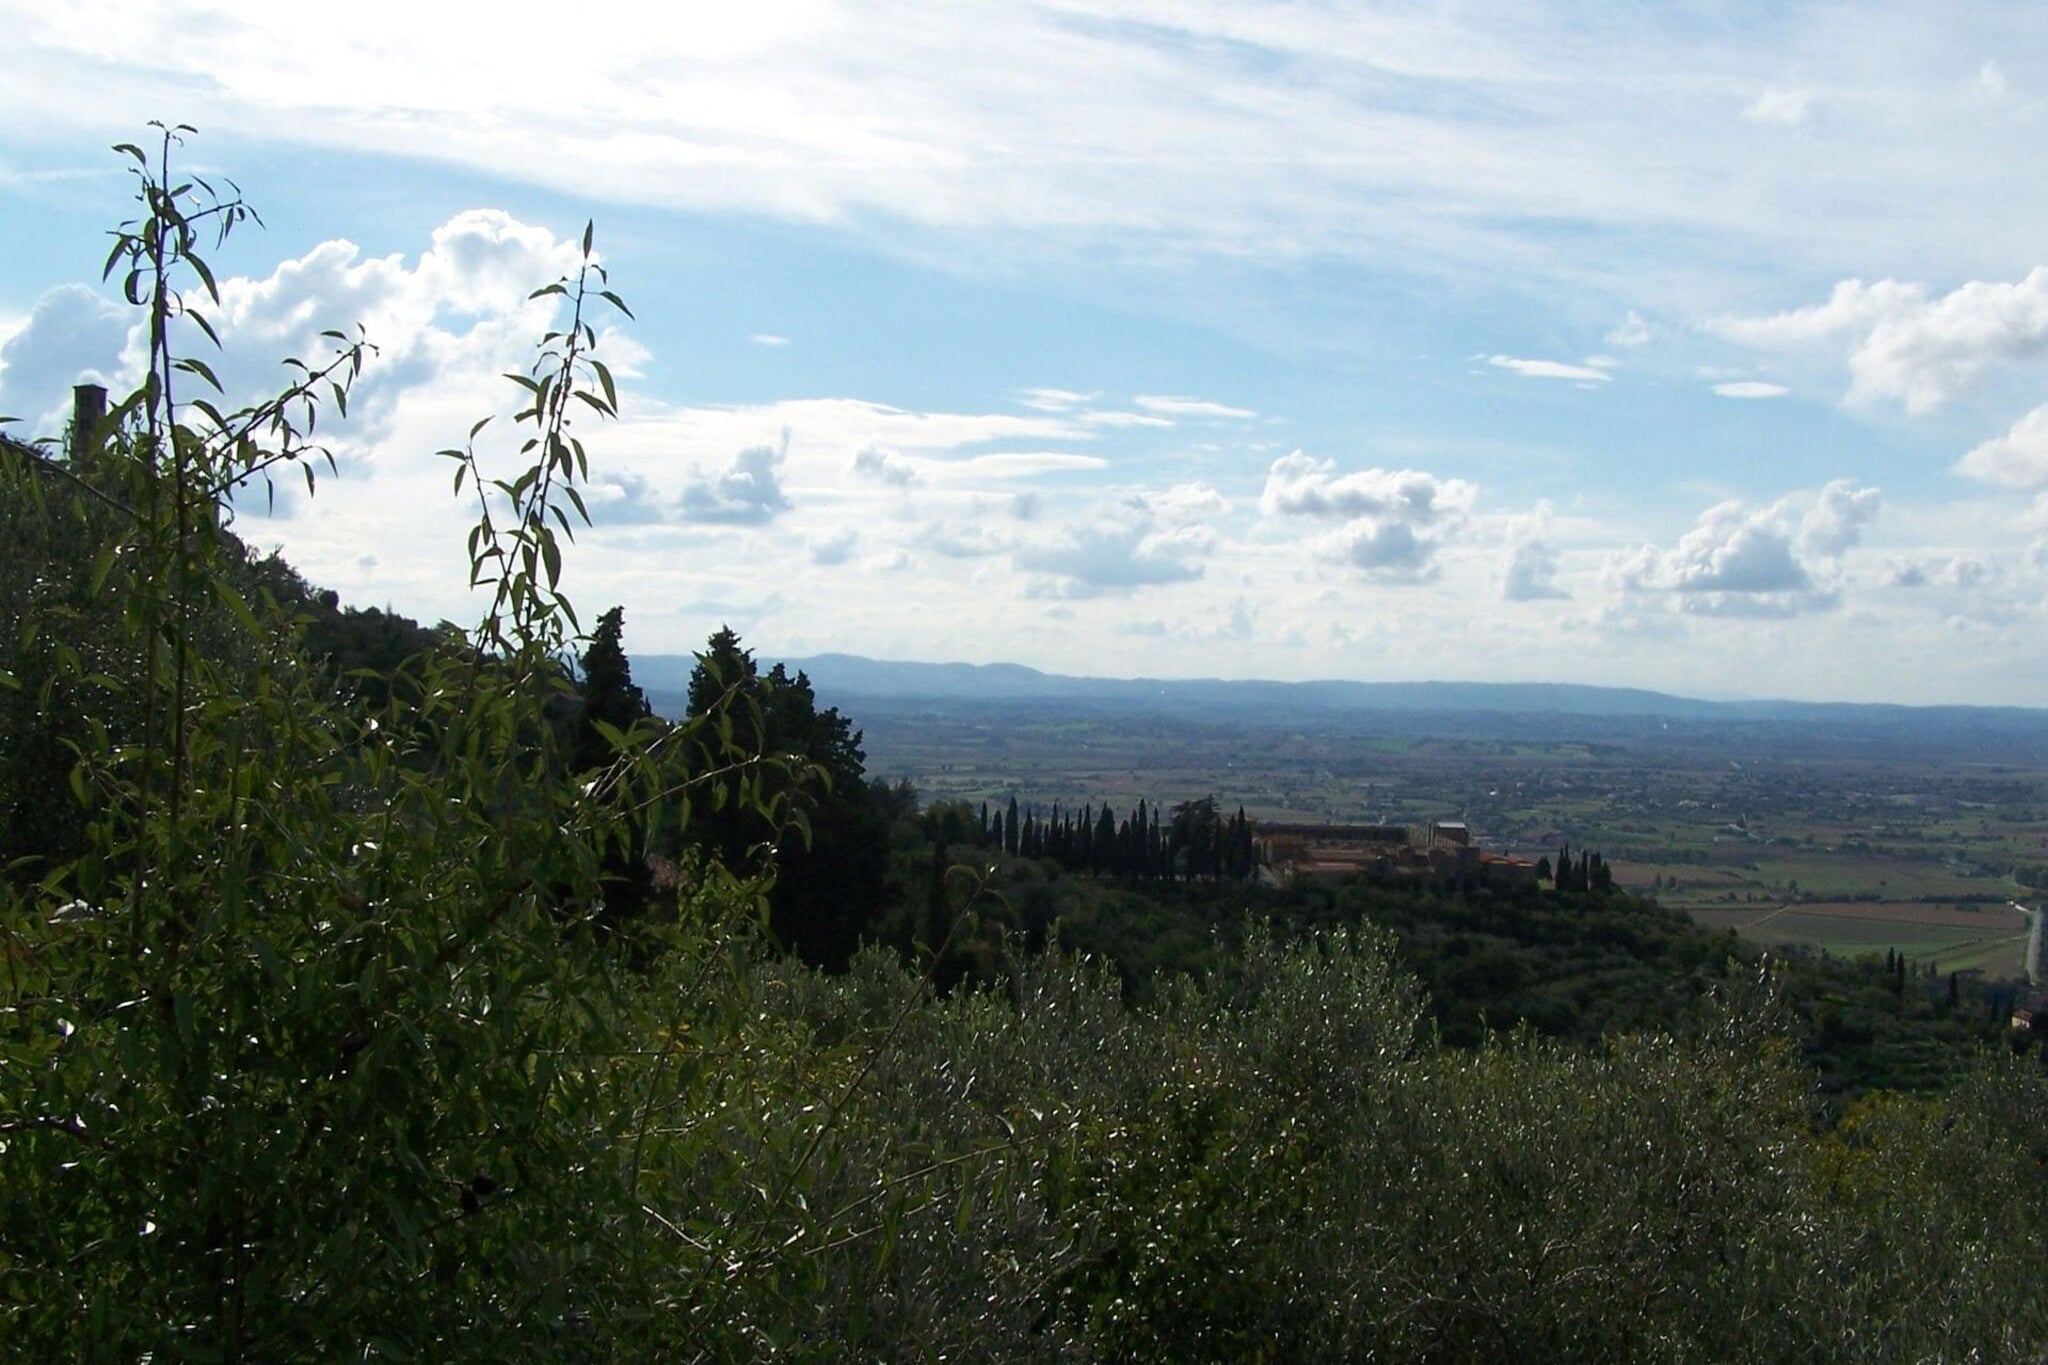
x=88, y=411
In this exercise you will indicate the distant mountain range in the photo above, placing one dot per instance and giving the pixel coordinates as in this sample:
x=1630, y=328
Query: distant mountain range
x=851, y=681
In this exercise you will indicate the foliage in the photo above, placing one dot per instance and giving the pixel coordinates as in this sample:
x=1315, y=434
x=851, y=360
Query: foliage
x=830, y=883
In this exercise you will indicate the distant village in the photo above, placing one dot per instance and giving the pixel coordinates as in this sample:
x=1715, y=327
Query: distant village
x=1440, y=854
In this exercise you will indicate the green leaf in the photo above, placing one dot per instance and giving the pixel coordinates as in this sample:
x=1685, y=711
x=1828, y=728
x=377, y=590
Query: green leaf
x=236, y=605
x=552, y=553
x=205, y=274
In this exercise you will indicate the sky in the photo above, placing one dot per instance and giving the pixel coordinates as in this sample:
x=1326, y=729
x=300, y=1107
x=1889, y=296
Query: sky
x=1694, y=347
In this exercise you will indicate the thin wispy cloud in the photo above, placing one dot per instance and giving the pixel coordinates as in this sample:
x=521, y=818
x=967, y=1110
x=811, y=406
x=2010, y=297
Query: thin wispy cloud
x=1787, y=108
x=1170, y=406
x=1551, y=369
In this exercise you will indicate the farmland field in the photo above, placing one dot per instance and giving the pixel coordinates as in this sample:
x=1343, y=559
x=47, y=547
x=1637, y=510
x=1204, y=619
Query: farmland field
x=1847, y=849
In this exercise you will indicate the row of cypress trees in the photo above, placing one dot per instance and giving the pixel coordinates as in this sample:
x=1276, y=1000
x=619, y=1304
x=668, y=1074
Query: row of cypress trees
x=1192, y=843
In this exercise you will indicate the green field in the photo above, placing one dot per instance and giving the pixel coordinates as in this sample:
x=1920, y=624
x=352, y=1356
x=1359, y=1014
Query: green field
x=1946, y=947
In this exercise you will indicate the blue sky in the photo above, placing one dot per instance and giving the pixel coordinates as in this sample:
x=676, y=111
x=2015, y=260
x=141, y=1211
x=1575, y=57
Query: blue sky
x=1694, y=347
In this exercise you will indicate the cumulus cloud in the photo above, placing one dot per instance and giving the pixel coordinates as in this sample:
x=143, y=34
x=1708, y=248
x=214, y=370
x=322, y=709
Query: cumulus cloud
x=1301, y=485
x=1735, y=561
x=746, y=492
x=72, y=335
x=1835, y=523
x=1786, y=108
x=1388, y=550
x=876, y=461
x=1123, y=548
x=2018, y=459
x=620, y=497
x=1750, y=388
x=1744, y=561
x=1531, y=574
x=1903, y=345
x=1185, y=503
x=1172, y=406
x=1956, y=571
x=1383, y=510
x=1551, y=369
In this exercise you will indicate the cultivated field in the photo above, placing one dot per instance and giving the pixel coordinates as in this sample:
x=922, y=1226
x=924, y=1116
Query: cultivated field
x=1849, y=851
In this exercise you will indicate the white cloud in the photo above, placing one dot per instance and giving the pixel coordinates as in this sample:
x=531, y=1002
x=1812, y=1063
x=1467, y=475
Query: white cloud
x=1416, y=134
x=1991, y=80
x=1121, y=420
x=1550, y=369
x=1835, y=523
x=2018, y=459
x=1025, y=464
x=834, y=547
x=73, y=334
x=1744, y=561
x=961, y=539
x=1112, y=554
x=1907, y=347
x=1382, y=510
x=1750, y=388
x=876, y=461
x=1186, y=503
x=1631, y=331
x=768, y=339
x=1389, y=551
x=1734, y=562
x=746, y=492
x=1053, y=400
x=1171, y=406
x=1301, y=485
x=1956, y=572
x=1531, y=573
x=621, y=497
x=1787, y=108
